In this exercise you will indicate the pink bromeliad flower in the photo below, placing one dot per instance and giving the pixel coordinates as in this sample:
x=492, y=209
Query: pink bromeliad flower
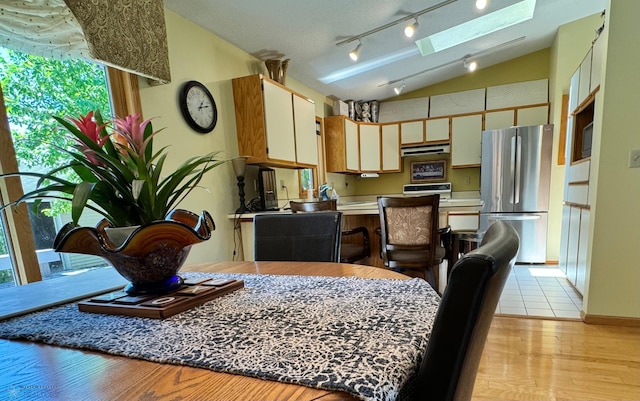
x=132, y=130
x=87, y=125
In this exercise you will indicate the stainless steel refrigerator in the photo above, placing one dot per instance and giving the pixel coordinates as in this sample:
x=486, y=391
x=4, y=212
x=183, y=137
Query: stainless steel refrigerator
x=514, y=185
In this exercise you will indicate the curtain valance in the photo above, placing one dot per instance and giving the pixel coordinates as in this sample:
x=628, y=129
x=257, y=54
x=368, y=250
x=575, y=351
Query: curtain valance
x=126, y=34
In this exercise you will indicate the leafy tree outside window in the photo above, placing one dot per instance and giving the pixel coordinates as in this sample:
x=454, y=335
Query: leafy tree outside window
x=35, y=89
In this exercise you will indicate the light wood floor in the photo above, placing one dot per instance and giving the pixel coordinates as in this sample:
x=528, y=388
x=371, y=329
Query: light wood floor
x=535, y=359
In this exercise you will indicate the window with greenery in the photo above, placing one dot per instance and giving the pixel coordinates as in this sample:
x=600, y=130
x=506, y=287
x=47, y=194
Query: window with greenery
x=313, y=178
x=34, y=89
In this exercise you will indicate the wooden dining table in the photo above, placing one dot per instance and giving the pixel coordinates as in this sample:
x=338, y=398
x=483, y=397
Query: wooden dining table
x=36, y=371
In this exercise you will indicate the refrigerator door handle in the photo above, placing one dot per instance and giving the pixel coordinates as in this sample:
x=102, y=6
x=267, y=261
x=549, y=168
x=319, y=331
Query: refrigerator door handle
x=515, y=217
x=516, y=177
x=512, y=169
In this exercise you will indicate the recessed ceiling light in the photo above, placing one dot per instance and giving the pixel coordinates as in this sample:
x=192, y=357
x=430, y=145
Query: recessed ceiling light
x=484, y=25
x=481, y=4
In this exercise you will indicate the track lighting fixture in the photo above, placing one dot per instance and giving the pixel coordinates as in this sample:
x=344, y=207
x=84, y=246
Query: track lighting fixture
x=411, y=29
x=398, y=89
x=403, y=20
x=355, y=53
x=470, y=65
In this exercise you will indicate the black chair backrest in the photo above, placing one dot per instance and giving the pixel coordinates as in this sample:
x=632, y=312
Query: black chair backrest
x=302, y=237
x=464, y=316
x=313, y=206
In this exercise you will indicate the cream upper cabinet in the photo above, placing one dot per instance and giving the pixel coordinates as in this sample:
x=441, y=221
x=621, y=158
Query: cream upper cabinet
x=596, y=64
x=341, y=145
x=533, y=115
x=390, y=140
x=275, y=126
x=369, y=147
x=278, y=110
x=351, y=140
x=584, y=86
x=412, y=132
x=437, y=129
x=304, y=112
x=466, y=133
x=499, y=119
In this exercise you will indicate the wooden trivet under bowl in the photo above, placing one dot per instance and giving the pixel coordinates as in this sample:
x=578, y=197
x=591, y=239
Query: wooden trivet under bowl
x=189, y=295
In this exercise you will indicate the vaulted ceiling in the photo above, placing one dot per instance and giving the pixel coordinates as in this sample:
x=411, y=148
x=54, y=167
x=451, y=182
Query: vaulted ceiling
x=307, y=31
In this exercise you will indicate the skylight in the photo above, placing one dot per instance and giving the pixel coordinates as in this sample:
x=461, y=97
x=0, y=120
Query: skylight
x=495, y=21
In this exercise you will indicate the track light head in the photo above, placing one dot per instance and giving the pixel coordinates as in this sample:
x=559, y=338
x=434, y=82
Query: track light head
x=411, y=29
x=398, y=89
x=470, y=65
x=355, y=53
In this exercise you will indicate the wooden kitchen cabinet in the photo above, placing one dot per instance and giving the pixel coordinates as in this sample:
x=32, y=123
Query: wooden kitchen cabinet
x=275, y=126
x=390, y=141
x=341, y=145
x=369, y=140
x=466, y=133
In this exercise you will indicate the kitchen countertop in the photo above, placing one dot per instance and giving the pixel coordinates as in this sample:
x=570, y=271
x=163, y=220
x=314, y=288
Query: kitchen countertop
x=367, y=204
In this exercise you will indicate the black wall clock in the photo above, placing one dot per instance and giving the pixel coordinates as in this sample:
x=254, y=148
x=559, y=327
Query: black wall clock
x=198, y=107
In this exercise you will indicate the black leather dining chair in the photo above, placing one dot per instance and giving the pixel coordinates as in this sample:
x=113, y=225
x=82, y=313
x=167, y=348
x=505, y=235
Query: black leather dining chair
x=304, y=237
x=355, y=244
x=448, y=370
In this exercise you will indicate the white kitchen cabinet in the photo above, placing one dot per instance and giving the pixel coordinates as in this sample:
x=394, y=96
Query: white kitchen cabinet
x=572, y=244
x=573, y=90
x=583, y=243
x=532, y=115
x=584, y=86
x=390, y=141
x=596, y=64
x=412, y=132
x=369, y=147
x=437, y=130
x=499, y=119
x=278, y=115
x=564, y=238
x=341, y=145
x=304, y=113
x=275, y=126
x=466, y=132
x=463, y=221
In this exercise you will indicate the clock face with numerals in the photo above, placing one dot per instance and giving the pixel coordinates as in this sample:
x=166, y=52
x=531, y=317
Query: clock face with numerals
x=198, y=107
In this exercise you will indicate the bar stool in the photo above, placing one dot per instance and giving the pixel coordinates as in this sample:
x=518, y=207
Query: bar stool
x=461, y=242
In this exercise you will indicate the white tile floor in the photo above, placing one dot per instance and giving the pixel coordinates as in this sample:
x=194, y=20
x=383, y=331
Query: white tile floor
x=539, y=291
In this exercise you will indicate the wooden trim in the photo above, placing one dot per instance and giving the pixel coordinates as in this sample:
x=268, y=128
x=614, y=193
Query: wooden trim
x=125, y=92
x=610, y=320
x=578, y=183
x=577, y=205
x=562, y=144
x=16, y=219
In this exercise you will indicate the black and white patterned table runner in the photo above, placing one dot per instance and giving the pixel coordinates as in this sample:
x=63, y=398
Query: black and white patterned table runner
x=362, y=336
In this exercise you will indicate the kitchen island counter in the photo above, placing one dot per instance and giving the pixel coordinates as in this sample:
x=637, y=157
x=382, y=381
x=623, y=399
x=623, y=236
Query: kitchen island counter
x=460, y=211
